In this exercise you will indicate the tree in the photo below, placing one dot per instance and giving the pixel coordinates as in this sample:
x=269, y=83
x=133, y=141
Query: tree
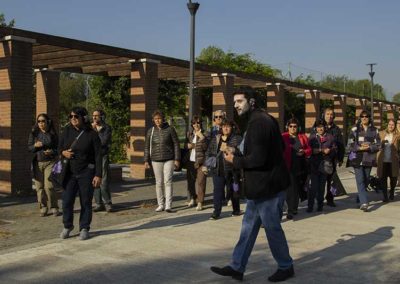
x=112, y=95
x=215, y=56
x=3, y=22
x=396, y=98
x=72, y=93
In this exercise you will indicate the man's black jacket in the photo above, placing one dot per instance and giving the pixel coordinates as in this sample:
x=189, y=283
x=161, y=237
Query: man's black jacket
x=265, y=173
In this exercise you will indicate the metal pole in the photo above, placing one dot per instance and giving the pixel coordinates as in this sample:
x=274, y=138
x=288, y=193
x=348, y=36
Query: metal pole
x=192, y=9
x=371, y=74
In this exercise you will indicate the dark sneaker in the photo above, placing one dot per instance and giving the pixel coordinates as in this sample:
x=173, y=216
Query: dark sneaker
x=99, y=208
x=237, y=213
x=108, y=208
x=65, y=232
x=169, y=210
x=319, y=209
x=331, y=203
x=84, y=234
x=227, y=271
x=289, y=216
x=281, y=275
x=214, y=216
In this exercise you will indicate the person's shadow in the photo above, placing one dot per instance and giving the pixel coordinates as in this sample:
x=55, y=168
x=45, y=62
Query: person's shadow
x=361, y=257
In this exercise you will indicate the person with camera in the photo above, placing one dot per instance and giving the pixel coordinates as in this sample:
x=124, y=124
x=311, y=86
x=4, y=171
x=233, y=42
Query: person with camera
x=43, y=141
x=102, y=194
x=364, y=143
x=296, y=152
x=162, y=152
x=81, y=146
x=197, y=144
x=323, y=153
x=223, y=174
x=388, y=159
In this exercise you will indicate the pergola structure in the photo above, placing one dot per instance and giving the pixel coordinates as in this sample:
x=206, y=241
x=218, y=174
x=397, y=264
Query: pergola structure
x=28, y=58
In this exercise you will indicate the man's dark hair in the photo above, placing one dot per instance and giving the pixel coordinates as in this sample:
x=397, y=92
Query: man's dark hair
x=83, y=113
x=249, y=93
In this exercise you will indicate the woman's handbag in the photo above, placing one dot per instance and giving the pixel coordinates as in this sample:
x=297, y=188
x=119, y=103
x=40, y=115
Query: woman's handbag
x=60, y=168
x=325, y=167
x=59, y=172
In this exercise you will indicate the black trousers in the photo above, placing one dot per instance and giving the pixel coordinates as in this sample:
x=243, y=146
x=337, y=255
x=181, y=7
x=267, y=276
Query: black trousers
x=78, y=184
x=292, y=195
x=387, y=173
x=191, y=180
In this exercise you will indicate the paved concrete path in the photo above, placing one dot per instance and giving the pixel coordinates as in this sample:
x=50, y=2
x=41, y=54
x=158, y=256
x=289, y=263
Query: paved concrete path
x=340, y=245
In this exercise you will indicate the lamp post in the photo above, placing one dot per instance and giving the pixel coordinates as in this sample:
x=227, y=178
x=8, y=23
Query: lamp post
x=371, y=74
x=192, y=9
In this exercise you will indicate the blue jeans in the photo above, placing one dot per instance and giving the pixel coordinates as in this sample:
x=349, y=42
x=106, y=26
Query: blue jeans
x=362, y=179
x=317, y=190
x=219, y=193
x=269, y=213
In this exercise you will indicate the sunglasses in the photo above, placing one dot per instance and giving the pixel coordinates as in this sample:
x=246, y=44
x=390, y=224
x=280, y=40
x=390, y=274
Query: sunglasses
x=364, y=116
x=292, y=126
x=218, y=116
x=197, y=122
x=41, y=121
x=74, y=116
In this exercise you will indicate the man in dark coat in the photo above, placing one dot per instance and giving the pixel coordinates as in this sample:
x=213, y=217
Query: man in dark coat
x=265, y=182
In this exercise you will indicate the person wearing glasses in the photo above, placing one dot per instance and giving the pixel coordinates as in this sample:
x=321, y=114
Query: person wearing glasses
x=102, y=194
x=43, y=141
x=323, y=153
x=81, y=145
x=364, y=143
x=388, y=159
x=296, y=152
x=218, y=117
x=224, y=175
x=162, y=151
x=197, y=143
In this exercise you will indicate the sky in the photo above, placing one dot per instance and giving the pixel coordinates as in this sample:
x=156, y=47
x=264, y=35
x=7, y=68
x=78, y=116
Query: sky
x=316, y=36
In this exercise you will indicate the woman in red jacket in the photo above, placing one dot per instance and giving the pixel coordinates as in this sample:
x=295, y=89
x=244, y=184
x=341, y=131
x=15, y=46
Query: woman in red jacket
x=296, y=152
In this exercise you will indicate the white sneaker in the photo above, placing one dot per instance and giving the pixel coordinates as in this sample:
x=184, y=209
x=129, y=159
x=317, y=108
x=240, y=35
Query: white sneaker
x=364, y=207
x=199, y=206
x=191, y=203
x=160, y=208
x=229, y=203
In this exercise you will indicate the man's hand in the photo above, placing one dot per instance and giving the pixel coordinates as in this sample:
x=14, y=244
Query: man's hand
x=146, y=165
x=38, y=144
x=300, y=153
x=228, y=156
x=177, y=163
x=96, y=182
x=326, y=151
x=68, y=154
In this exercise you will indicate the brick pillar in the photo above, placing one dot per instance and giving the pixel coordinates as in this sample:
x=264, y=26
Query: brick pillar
x=340, y=107
x=276, y=103
x=312, y=108
x=377, y=115
x=361, y=105
x=390, y=109
x=48, y=94
x=16, y=97
x=144, y=99
x=222, y=98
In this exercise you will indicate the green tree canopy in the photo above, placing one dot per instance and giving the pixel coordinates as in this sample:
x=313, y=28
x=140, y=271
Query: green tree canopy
x=396, y=98
x=215, y=56
x=3, y=22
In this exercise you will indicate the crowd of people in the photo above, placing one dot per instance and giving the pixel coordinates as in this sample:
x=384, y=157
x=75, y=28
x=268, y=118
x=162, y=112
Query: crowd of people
x=257, y=163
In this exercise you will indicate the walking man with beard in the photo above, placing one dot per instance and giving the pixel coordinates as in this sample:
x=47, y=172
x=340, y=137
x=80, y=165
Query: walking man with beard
x=265, y=182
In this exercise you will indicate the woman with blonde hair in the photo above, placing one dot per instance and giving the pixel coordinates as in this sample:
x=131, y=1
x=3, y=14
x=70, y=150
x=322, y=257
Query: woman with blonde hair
x=388, y=159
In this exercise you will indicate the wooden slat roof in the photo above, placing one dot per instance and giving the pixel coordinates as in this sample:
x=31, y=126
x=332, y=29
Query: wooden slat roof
x=65, y=54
